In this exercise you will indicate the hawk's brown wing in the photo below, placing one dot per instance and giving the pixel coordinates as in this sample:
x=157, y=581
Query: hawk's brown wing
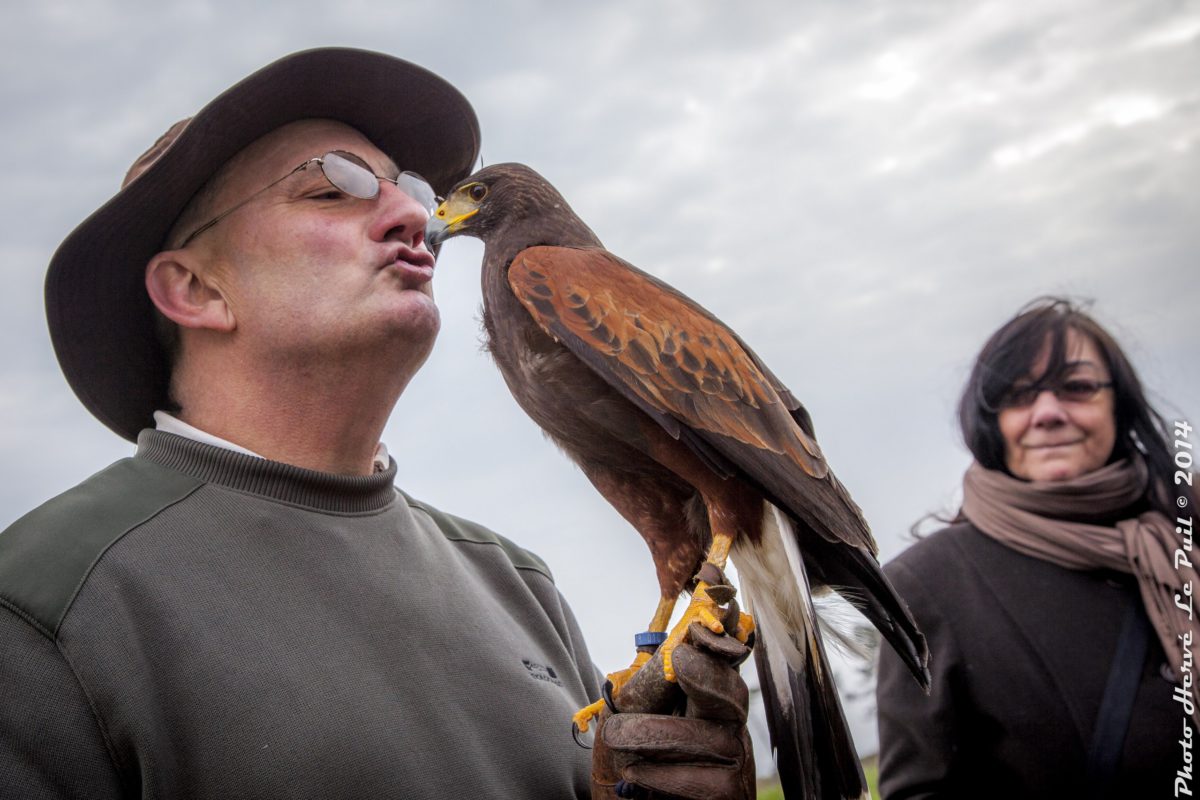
x=687, y=370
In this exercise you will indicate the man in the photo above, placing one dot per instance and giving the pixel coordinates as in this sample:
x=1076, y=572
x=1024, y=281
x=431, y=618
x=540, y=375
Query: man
x=248, y=608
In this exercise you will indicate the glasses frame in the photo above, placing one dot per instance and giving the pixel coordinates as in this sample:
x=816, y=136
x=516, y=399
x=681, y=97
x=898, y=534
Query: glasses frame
x=429, y=205
x=1010, y=399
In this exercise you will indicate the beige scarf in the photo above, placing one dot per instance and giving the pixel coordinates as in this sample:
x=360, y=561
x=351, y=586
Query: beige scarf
x=1067, y=523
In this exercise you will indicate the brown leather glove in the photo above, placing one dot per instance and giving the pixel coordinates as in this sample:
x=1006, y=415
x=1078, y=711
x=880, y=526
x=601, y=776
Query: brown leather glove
x=701, y=750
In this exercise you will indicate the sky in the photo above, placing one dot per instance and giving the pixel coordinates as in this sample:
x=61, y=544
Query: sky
x=863, y=190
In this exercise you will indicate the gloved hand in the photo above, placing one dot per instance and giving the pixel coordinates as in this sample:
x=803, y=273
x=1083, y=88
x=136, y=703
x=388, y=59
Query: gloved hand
x=703, y=753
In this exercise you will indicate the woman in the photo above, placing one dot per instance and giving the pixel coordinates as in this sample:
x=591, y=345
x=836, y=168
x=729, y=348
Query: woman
x=1049, y=602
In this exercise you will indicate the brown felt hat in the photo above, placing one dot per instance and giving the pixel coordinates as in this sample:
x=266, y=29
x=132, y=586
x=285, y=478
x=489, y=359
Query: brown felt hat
x=101, y=319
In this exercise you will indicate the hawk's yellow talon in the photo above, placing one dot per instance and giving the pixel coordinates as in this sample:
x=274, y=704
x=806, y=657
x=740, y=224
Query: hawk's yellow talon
x=709, y=620
x=745, y=627
x=585, y=715
x=702, y=609
x=625, y=674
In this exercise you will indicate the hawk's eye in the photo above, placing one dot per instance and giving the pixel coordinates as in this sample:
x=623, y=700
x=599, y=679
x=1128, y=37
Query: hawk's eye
x=477, y=191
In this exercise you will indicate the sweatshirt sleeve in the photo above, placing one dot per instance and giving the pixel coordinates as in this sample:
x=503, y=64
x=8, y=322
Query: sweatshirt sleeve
x=51, y=747
x=918, y=732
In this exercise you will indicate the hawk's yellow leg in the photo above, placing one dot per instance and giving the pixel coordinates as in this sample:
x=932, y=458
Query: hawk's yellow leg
x=704, y=609
x=701, y=609
x=662, y=617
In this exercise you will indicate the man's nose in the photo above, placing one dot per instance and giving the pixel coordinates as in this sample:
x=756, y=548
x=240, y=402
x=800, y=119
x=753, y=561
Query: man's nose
x=398, y=216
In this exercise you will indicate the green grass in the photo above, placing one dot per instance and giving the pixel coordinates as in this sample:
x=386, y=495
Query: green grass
x=870, y=768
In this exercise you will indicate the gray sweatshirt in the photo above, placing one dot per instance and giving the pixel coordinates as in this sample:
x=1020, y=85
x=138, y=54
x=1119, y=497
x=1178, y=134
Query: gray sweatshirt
x=198, y=623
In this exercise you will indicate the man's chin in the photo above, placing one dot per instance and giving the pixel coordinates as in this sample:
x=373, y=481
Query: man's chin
x=418, y=320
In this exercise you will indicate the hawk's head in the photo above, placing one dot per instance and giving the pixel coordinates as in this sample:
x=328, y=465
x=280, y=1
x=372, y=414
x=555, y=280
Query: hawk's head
x=505, y=201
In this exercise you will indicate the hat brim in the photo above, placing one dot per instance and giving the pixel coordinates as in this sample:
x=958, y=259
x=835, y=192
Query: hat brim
x=100, y=317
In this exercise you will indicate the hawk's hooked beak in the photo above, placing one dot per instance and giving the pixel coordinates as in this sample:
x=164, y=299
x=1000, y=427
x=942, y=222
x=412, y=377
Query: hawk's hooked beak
x=449, y=219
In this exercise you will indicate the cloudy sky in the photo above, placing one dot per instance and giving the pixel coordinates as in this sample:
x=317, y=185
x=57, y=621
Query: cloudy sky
x=864, y=190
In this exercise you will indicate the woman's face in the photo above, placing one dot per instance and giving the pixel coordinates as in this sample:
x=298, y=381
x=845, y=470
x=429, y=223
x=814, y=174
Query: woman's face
x=1055, y=439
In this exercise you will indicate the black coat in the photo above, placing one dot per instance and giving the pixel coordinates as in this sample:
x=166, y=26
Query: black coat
x=1020, y=651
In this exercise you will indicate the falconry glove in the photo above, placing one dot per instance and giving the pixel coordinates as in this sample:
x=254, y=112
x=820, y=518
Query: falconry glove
x=701, y=751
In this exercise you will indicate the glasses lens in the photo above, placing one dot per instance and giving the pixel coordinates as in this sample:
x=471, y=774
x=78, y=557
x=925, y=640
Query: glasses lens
x=418, y=189
x=351, y=178
x=356, y=180
x=1078, y=390
x=1020, y=397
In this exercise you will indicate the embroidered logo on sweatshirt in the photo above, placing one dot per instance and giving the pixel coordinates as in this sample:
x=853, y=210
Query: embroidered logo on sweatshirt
x=541, y=672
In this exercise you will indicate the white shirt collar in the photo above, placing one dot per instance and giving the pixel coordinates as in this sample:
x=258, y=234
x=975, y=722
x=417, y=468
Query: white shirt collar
x=170, y=424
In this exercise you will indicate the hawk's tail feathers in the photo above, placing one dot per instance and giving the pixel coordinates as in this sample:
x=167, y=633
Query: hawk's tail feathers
x=814, y=751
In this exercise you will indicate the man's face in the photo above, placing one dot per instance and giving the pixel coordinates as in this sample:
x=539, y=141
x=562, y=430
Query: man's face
x=310, y=272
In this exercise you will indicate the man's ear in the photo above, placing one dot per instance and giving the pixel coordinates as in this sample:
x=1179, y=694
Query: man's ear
x=184, y=295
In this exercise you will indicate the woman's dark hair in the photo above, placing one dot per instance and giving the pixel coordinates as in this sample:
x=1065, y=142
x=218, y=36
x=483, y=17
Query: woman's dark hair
x=1009, y=356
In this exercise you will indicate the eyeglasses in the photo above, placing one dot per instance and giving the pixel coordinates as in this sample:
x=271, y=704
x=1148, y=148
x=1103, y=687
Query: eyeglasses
x=348, y=173
x=1072, y=390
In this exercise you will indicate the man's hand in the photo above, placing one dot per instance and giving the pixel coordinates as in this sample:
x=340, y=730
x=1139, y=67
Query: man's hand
x=705, y=753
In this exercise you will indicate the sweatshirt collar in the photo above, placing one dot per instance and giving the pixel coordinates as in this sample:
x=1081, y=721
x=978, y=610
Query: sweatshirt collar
x=169, y=423
x=274, y=480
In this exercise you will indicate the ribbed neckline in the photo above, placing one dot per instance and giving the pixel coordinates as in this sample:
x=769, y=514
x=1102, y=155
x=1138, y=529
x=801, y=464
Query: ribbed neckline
x=322, y=491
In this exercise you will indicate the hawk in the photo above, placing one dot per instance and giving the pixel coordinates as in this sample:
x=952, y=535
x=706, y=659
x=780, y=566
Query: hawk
x=684, y=430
